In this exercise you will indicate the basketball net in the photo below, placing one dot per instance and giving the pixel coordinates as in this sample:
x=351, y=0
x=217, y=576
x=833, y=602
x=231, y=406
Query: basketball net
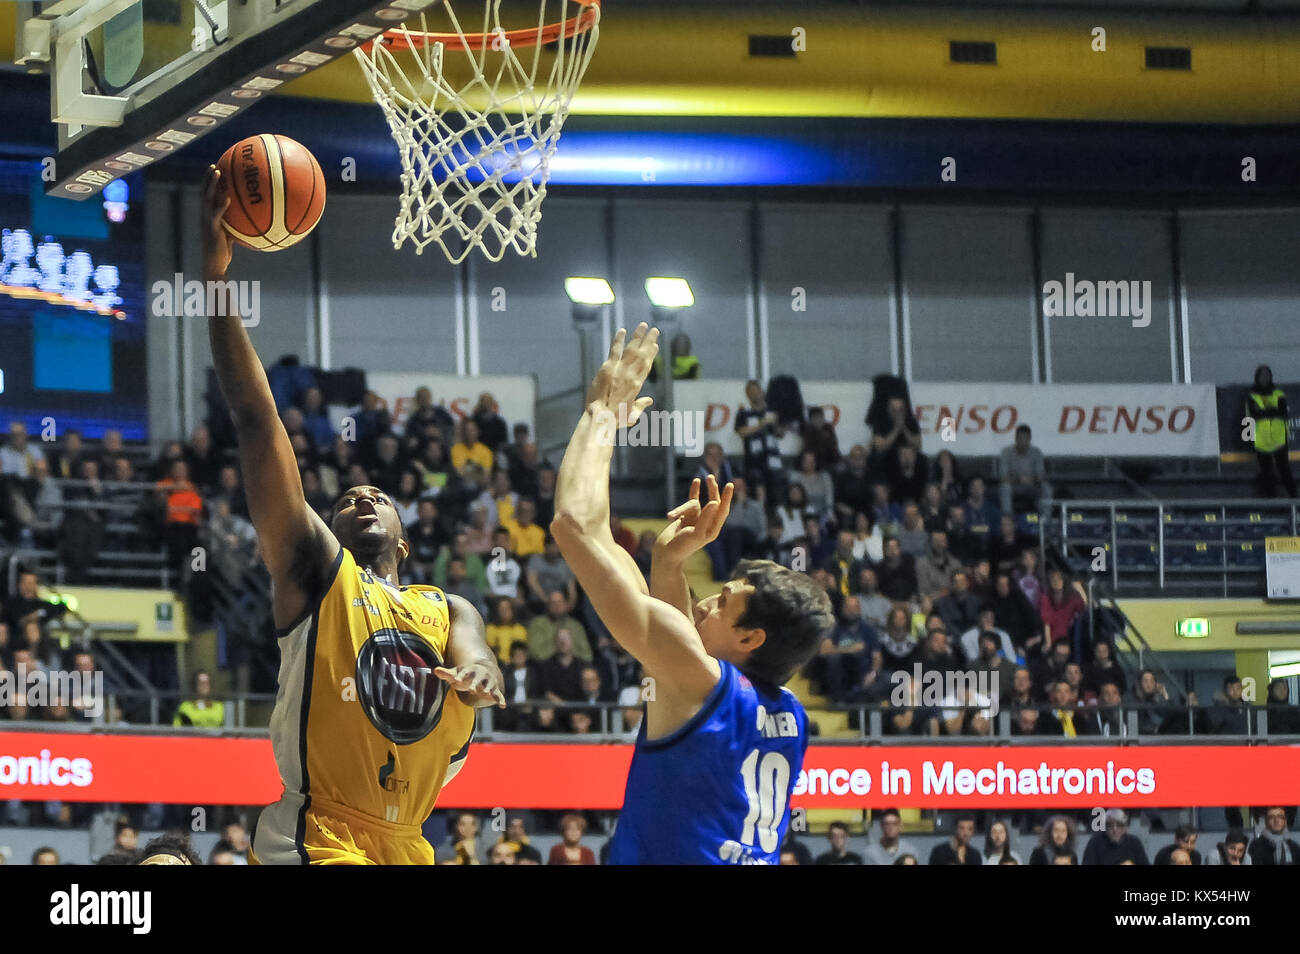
x=476, y=154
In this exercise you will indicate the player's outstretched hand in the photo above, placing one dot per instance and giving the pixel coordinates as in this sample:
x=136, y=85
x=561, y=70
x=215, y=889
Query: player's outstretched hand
x=216, y=241
x=618, y=382
x=693, y=527
x=475, y=681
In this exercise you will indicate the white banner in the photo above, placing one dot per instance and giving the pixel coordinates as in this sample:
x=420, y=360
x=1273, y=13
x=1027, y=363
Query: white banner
x=516, y=393
x=1068, y=420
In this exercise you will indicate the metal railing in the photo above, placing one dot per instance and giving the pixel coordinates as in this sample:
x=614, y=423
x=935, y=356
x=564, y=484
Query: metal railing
x=1159, y=546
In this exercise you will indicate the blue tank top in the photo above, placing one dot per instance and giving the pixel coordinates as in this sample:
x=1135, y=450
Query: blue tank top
x=717, y=790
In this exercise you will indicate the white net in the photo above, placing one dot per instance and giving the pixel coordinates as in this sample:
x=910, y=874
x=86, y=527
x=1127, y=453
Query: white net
x=477, y=129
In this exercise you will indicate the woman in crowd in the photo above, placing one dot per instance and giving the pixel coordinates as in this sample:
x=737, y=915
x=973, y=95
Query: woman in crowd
x=817, y=484
x=1057, y=840
x=868, y=541
x=997, y=845
x=1060, y=606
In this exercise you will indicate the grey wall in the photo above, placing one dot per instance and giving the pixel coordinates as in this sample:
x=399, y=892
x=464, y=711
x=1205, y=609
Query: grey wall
x=934, y=292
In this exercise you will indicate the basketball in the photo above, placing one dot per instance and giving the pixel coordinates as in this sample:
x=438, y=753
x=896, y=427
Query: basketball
x=277, y=191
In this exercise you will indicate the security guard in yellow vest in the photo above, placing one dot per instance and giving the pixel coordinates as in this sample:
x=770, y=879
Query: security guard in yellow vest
x=1266, y=406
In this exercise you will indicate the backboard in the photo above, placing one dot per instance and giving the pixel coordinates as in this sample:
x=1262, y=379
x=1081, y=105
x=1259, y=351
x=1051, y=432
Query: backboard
x=132, y=81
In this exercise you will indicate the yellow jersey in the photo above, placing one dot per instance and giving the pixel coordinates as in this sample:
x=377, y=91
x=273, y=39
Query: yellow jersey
x=361, y=722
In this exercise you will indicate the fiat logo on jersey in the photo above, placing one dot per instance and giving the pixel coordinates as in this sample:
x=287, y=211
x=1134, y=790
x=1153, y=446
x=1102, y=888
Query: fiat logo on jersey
x=401, y=695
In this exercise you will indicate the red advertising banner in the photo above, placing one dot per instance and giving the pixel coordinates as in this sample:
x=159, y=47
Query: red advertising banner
x=37, y=766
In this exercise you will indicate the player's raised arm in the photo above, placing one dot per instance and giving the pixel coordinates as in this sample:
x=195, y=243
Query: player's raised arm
x=295, y=543
x=659, y=635
x=693, y=527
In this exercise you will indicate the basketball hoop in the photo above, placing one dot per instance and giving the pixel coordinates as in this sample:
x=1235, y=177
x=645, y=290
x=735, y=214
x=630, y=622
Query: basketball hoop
x=476, y=151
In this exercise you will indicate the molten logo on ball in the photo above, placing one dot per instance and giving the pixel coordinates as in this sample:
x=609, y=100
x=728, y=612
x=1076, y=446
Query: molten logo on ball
x=251, y=177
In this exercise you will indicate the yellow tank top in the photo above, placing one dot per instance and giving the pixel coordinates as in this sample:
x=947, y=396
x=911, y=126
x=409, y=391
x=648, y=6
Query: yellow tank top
x=360, y=717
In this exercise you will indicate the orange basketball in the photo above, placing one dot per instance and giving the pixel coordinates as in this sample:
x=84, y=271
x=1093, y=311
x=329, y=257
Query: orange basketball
x=277, y=191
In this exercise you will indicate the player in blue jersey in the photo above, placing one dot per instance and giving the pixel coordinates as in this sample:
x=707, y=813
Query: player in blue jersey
x=722, y=743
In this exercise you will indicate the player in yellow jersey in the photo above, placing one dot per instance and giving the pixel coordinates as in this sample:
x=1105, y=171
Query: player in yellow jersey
x=378, y=681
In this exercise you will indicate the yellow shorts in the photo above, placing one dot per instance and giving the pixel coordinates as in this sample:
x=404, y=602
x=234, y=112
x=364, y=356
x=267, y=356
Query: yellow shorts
x=333, y=835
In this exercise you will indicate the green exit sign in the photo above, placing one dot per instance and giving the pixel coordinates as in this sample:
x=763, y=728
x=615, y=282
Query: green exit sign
x=1193, y=628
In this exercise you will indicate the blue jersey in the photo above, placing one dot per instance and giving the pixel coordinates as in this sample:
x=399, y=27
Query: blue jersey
x=716, y=791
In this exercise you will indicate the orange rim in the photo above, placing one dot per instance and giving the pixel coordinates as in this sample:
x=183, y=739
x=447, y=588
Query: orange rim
x=519, y=39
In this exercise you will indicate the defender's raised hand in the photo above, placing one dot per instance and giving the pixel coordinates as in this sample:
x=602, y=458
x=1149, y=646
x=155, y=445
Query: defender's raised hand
x=693, y=527
x=618, y=383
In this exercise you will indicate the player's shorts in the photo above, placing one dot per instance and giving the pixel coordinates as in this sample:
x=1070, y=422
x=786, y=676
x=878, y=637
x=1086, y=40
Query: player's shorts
x=330, y=834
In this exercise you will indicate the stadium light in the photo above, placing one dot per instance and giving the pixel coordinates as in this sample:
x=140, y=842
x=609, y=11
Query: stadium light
x=589, y=291
x=669, y=292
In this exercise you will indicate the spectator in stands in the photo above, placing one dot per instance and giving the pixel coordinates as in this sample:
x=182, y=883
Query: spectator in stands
x=1034, y=722
x=459, y=584
x=504, y=572
x=1065, y=708
x=983, y=513
x=934, y=510
x=875, y=605
x=1283, y=718
x=545, y=500
x=45, y=856
x=957, y=850
x=504, y=630
x=913, y=536
x=897, y=572
x=570, y=850
x=1115, y=846
x=523, y=682
x=1105, y=718
x=491, y=425
x=525, y=469
x=948, y=476
x=1103, y=668
x=315, y=418
x=1147, y=696
x=839, y=854
x=386, y=466
x=547, y=573
x=1007, y=546
x=986, y=622
x=989, y=657
x=714, y=464
x=849, y=661
x=17, y=456
x=965, y=546
x=543, y=630
x=1233, y=712
x=817, y=548
x=997, y=844
x=1022, y=689
x=203, y=458
x=908, y=475
x=914, y=717
x=1184, y=841
x=459, y=548
x=221, y=854
x=526, y=537
x=868, y=540
x=1023, y=475
x=427, y=537
x=934, y=570
x=592, y=690
x=406, y=497
x=854, y=488
x=461, y=847
x=1056, y=840
x=1231, y=851
x=890, y=846
x=231, y=487
x=202, y=711
x=819, y=489
x=887, y=514
x=1063, y=603
x=435, y=471
x=741, y=534
x=1014, y=614
x=898, y=646
x=1049, y=669
x=314, y=493
x=819, y=439
x=66, y=460
x=771, y=547
x=958, y=607
x=500, y=499
x=1273, y=846
x=791, y=513
x=470, y=448
x=426, y=413
x=42, y=516
x=841, y=563
x=760, y=433
x=1266, y=406
x=899, y=430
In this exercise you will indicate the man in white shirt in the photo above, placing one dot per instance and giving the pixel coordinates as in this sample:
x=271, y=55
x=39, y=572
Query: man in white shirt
x=970, y=640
